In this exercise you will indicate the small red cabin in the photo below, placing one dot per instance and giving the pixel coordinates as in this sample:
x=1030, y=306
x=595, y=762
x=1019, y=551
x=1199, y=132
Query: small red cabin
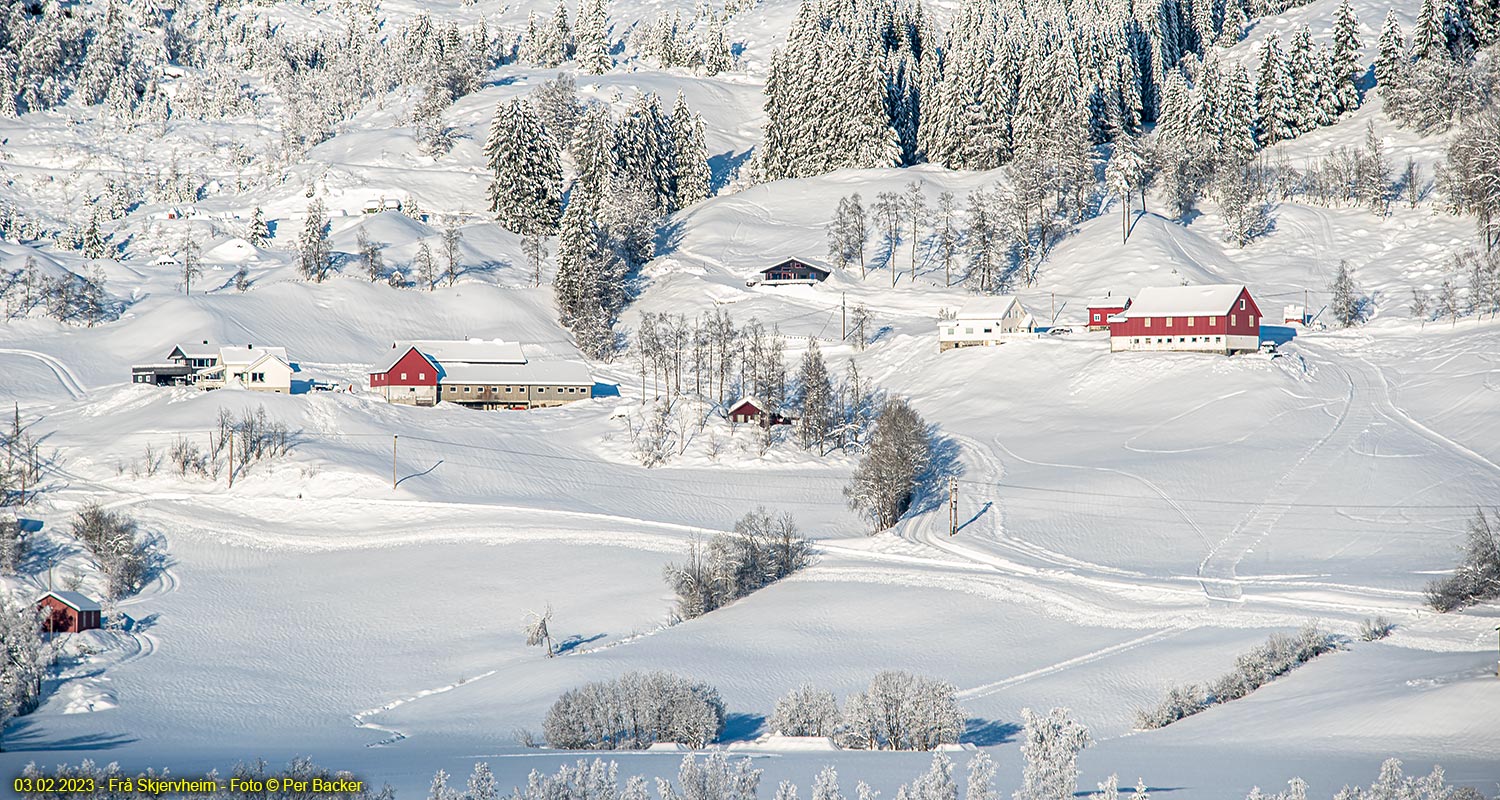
x=751, y=409
x=68, y=612
x=1102, y=309
x=412, y=378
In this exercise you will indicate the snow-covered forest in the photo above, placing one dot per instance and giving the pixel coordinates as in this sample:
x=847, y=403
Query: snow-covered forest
x=788, y=542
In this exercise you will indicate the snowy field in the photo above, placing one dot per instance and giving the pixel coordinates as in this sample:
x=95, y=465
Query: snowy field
x=1128, y=522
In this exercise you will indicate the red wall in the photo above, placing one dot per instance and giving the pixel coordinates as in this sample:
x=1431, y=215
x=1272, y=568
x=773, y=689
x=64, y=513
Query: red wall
x=413, y=364
x=1215, y=325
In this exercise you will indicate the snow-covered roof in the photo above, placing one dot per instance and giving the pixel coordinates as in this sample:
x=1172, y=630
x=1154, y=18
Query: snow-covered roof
x=471, y=351
x=1183, y=301
x=249, y=354
x=76, y=600
x=1116, y=301
x=548, y=373
x=752, y=400
x=203, y=350
x=994, y=307
x=232, y=250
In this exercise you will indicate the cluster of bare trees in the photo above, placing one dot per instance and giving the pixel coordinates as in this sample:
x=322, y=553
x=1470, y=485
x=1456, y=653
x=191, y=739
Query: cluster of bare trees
x=20, y=463
x=710, y=357
x=898, y=711
x=70, y=297
x=999, y=236
x=1481, y=270
x=126, y=557
x=763, y=548
x=893, y=466
x=1477, y=577
x=237, y=442
x=634, y=711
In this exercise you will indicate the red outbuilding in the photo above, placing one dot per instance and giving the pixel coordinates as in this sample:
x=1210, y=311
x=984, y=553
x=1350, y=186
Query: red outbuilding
x=412, y=378
x=68, y=612
x=1221, y=318
x=1101, y=309
x=752, y=409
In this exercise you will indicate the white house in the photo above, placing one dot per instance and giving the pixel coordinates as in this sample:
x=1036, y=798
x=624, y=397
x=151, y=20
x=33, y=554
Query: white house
x=986, y=321
x=207, y=366
x=259, y=369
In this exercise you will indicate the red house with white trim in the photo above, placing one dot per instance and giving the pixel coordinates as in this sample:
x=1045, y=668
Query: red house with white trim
x=68, y=612
x=412, y=379
x=1220, y=318
x=1101, y=309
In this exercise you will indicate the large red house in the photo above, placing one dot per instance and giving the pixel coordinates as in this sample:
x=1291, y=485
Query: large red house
x=1220, y=318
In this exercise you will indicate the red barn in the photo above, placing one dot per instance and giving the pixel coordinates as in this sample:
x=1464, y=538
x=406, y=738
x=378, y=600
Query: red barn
x=68, y=612
x=1102, y=309
x=1220, y=318
x=412, y=378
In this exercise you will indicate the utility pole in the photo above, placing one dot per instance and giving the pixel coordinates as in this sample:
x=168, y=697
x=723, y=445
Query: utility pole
x=394, y=439
x=843, y=316
x=1497, y=644
x=952, y=506
x=1053, y=295
x=231, y=457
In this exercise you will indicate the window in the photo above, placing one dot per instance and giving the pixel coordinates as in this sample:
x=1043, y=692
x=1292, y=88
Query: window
x=951, y=331
x=1242, y=304
x=968, y=330
x=1231, y=319
x=1218, y=339
x=1148, y=322
x=1213, y=322
x=403, y=376
x=257, y=377
x=1252, y=320
x=507, y=388
x=466, y=389
x=1191, y=320
x=494, y=388
x=1096, y=317
x=421, y=376
x=1169, y=322
x=989, y=330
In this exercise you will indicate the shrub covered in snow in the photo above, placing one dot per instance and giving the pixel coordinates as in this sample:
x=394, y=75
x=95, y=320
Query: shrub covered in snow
x=24, y=659
x=899, y=453
x=763, y=548
x=806, y=711
x=902, y=711
x=125, y=557
x=634, y=711
x=1279, y=655
x=1478, y=574
x=1378, y=628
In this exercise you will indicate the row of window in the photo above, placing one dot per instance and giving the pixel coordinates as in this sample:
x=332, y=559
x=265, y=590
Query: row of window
x=1181, y=339
x=496, y=389
x=1213, y=322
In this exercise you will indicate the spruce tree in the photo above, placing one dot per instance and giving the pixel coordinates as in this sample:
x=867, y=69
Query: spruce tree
x=1390, y=63
x=1274, y=103
x=256, y=231
x=646, y=152
x=1305, y=84
x=693, y=175
x=593, y=43
x=526, y=190
x=1428, y=38
x=1234, y=24
x=816, y=418
x=1345, y=58
x=1345, y=304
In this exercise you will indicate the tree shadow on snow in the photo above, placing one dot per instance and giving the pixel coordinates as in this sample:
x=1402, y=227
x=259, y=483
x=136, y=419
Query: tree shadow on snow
x=931, y=492
x=575, y=641
x=26, y=736
x=987, y=732
x=740, y=727
x=668, y=238
x=723, y=167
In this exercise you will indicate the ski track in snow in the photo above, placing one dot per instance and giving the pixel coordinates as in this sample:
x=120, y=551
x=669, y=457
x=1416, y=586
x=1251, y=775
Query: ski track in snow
x=65, y=376
x=1086, y=658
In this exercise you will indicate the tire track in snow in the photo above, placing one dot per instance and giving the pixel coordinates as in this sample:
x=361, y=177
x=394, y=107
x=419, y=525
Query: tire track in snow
x=392, y=735
x=1087, y=658
x=65, y=376
x=1217, y=572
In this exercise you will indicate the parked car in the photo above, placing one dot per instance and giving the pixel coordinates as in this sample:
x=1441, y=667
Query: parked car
x=1059, y=331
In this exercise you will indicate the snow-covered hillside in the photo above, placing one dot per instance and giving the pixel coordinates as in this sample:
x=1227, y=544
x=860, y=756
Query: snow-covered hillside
x=1127, y=522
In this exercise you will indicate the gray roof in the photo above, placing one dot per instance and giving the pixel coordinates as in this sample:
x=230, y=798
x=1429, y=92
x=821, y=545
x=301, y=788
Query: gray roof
x=468, y=351
x=77, y=600
x=535, y=373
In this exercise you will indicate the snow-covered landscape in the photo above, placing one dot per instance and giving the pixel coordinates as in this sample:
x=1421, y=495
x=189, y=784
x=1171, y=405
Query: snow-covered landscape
x=766, y=233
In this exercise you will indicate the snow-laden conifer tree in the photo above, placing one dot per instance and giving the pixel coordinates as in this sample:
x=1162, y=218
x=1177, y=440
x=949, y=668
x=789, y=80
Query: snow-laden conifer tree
x=934, y=784
x=1275, y=102
x=526, y=190
x=1345, y=301
x=482, y=784
x=26, y=662
x=646, y=152
x=1234, y=23
x=314, y=253
x=593, y=43
x=1428, y=39
x=256, y=232
x=1345, y=57
x=693, y=176
x=981, y=778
